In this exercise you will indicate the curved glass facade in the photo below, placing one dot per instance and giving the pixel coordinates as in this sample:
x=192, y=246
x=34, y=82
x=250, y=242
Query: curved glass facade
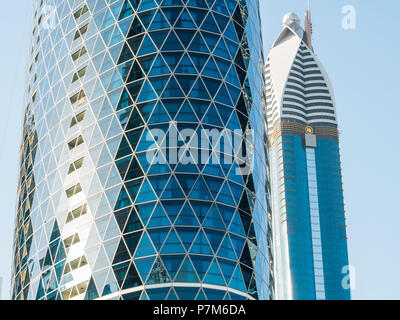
x=107, y=208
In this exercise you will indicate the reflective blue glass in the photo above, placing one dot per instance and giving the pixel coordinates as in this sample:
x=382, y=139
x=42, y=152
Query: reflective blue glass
x=131, y=221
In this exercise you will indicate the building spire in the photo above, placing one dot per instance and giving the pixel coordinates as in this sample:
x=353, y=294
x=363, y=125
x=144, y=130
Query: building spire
x=308, y=27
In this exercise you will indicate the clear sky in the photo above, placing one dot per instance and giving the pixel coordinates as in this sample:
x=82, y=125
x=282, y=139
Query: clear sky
x=364, y=68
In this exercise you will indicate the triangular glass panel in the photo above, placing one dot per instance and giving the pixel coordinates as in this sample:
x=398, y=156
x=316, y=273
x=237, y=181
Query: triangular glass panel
x=186, y=114
x=237, y=281
x=172, y=106
x=123, y=200
x=172, y=295
x=187, y=217
x=187, y=273
x=172, y=244
x=186, y=82
x=185, y=66
x=201, y=296
x=197, y=14
x=221, y=50
x=209, y=24
x=214, y=220
x=214, y=237
x=145, y=211
x=146, y=143
x=144, y=266
x=172, y=89
x=200, y=191
x=212, y=116
x=199, y=90
x=158, y=294
x=146, y=47
x=214, y=275
x=225, y=196
x=147, y=4
x=172, y=43
x=186, y=293
x=202, y=264
x=199, y=60
x=132, y=278
x=230, y=32
x=132, y=240
x=159, y=67
x=238, y=244
x=187, y=235
x=146, y=193
x=198, y=44
x=158, y=274
x=211, y=39
x=147, y=93
x=173, y=190
x=232, y=77
x=236, y=226
x=159, y=22
x=172, y=263
x=172, y=13
x=226, y=249
x=122, y=253
x=211, y=69
x=223, y=96
x=159, y=218
x=172, y=207
x=185, y=35
x=201, y=245
x=158, y=236
x=145, y=247
x=227, y=268
x=135, y=120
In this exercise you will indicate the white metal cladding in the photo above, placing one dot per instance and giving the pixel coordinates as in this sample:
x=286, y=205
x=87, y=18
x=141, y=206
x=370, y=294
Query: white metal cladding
x=297, y=86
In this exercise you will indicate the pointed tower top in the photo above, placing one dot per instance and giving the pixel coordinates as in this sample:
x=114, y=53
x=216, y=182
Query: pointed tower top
x=308, y=27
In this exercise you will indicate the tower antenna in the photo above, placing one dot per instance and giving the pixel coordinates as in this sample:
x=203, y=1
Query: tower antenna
x=308, y=27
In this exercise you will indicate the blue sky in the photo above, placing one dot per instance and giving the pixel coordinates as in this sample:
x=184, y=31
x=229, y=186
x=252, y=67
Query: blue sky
x=363, y=66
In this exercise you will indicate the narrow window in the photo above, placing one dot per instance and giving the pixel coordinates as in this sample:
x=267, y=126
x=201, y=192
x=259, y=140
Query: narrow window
x=76, y=165
x=81, y=31
x=76, y=213
x=82, y=51
x=75, y=264
x=80, y=74
x=74, y=291
x=78, y=98
x=75, y=143
x=34, y=96
x=73, y=190
x=81, y=12
x=78, y=118
x=70, y=241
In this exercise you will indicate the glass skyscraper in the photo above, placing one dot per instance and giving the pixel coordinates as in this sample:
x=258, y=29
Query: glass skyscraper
x=104, y=210
x=309, y=225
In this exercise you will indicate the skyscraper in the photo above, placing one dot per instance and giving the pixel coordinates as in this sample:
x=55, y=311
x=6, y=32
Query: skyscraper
x=106, y=209
x=310, y=244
